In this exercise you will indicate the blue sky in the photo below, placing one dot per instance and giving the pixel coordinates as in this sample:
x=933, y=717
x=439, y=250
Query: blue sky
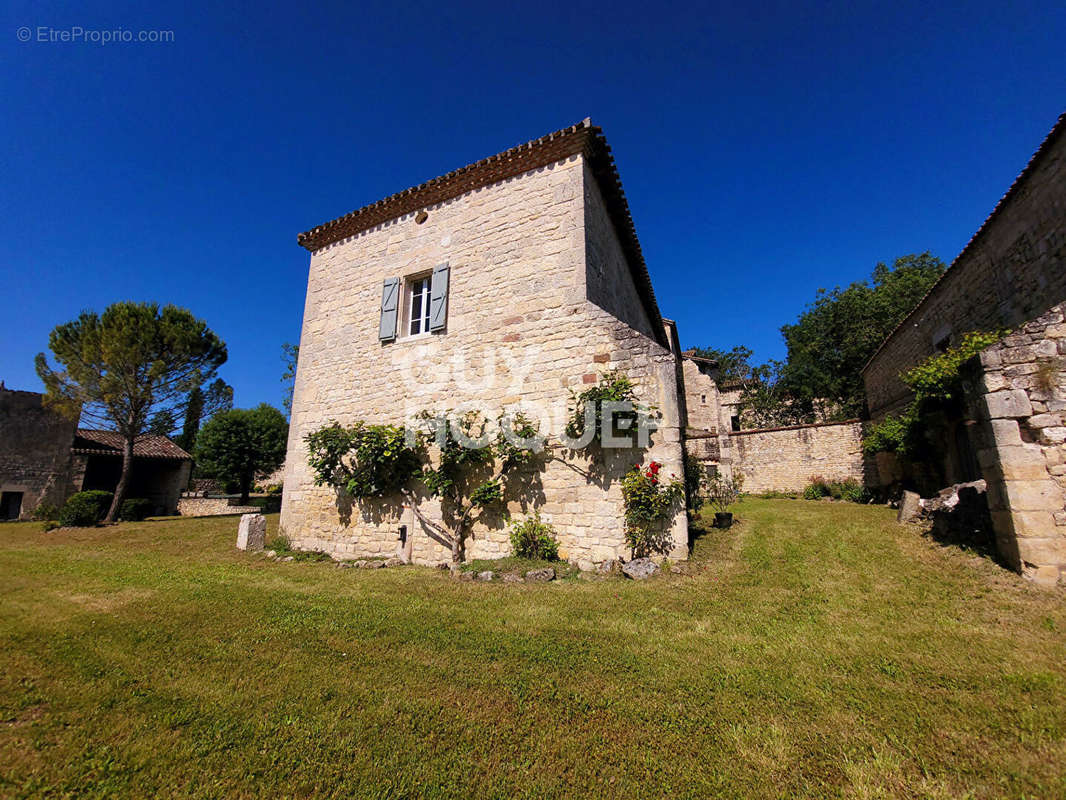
x=765, y=152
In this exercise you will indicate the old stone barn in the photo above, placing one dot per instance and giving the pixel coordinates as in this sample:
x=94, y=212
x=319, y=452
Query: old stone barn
x=1012, y=433
x=513, y=281
x=45, y=458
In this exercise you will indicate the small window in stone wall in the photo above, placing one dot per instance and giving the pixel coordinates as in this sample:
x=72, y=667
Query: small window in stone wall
x=703, y=398
x=417, y=305
x=734, y=422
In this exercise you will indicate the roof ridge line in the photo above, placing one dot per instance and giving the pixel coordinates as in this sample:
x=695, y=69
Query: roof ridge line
x=1056, y=129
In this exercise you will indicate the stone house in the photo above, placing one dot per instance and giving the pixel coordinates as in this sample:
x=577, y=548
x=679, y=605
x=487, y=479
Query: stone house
x=516, y=280
x=508, y=283
x=45, y=458
x=1011, y=275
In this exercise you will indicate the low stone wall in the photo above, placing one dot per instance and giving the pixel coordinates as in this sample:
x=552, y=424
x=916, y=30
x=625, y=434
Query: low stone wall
x=787, y=458
x=212, y=507
x=1019, y=395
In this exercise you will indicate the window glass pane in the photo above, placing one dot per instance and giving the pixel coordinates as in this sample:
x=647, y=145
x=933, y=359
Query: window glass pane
x=416, y=307
x=425, y=305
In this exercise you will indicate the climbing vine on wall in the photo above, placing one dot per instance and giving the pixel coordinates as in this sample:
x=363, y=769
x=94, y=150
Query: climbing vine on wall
x=587, y=408
x=937, y=384
x=470, y=467
x=365, y=460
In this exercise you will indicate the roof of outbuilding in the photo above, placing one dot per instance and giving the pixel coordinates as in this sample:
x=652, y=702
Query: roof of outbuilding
x=109, y=443
x=1056, y=132
x=584, y=138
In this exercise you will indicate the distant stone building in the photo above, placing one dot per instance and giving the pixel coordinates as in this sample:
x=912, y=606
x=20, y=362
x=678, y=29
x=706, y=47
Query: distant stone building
x=44, y=458
x=1012, y=274
x=35, y=458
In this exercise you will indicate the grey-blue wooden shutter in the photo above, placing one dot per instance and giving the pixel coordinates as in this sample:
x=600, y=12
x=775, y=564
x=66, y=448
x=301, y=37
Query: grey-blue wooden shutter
x=390, y=302
x=438, y=298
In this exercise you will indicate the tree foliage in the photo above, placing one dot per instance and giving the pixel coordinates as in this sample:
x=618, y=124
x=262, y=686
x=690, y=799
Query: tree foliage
x=238, y=444
x=833, y=339
x=202, y=405
x=119, y=369
x=163, y=422
x=767, y=402
x=733, y=365
x=290, y=355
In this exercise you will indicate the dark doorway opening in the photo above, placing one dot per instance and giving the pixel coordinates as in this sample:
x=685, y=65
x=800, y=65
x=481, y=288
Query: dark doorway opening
x=10, y=505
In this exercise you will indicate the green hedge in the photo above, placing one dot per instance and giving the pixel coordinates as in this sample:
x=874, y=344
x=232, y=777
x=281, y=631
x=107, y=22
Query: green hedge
x=85, y=509
x=134, y=509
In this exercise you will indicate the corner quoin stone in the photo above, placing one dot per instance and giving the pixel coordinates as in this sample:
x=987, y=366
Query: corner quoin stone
x=251, y=533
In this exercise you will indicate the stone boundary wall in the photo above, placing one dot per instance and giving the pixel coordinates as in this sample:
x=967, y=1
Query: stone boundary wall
x=1018, y=393
x=787, y=458
x=212, y=507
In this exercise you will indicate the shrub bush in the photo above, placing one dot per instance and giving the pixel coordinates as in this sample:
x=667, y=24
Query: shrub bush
x=721, y=492
x=649, y=504
x=85, y=509
x=850, y=490
x=49, y=525
x=532, y=538
x=45, y=511
x=134, y=509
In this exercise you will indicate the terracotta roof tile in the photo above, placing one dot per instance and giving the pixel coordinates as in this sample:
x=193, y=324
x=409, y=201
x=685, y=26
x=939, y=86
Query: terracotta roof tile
x=109, y=443
x=584, y=138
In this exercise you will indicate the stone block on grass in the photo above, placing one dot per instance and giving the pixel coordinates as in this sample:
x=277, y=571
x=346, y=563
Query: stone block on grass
x=251, y=532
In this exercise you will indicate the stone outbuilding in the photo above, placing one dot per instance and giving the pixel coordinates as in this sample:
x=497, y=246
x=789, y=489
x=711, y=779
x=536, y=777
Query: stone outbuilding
x=45, y=458
x=1011, y=275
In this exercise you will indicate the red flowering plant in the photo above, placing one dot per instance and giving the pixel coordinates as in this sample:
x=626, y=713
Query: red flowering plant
x=650, y=502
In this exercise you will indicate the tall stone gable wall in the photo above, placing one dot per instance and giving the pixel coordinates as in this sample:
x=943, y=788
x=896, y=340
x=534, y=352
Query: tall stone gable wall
x=1014, y=271
x=1019, y=397
x=701, y=399
x=787, y=458
x=35, y=447
x=528, y=320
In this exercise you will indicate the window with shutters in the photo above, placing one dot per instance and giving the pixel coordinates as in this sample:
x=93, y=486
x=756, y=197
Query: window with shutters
x=417, y=305
x=417, y=302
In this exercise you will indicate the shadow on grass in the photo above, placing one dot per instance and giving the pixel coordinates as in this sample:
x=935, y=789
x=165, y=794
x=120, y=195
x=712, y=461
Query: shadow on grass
x=968, y=527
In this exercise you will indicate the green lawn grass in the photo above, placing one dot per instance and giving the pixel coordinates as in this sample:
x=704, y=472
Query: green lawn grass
x=814, y=650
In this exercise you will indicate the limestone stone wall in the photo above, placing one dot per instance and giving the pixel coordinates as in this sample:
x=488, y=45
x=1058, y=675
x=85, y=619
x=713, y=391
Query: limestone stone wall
x=701, y=398
x=192, y=506
x=35, y=447
x=787, y=458
x=528, y=320
x=1019, y=396
x=707, y=435
x=1012, y=271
